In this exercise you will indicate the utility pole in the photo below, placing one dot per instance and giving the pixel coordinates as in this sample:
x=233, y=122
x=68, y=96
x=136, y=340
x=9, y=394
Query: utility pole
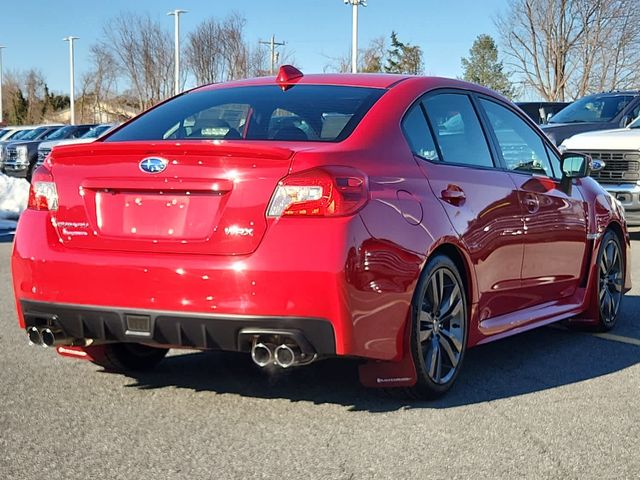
x=176, y=14
x=354, y=39
x=272, y=46
x=1, y=47
x=72, y=107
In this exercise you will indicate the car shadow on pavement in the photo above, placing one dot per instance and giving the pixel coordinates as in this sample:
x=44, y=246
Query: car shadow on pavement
x=531, y=362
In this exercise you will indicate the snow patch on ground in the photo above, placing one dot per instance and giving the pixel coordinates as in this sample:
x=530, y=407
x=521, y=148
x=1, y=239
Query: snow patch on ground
x=14, y=193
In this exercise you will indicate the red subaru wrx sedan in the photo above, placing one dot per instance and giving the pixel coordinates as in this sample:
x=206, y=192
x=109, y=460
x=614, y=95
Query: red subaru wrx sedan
x=400, y=220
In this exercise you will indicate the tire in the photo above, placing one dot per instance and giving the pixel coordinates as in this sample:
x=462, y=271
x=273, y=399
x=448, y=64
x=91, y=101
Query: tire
x=438, y=338
x=130, y=357
x=611, y=275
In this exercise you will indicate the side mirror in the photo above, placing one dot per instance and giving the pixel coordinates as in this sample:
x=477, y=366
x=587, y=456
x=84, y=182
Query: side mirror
x=626, y=120
x=576, y=165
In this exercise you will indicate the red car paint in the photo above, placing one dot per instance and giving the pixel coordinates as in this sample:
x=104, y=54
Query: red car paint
x=527, y=247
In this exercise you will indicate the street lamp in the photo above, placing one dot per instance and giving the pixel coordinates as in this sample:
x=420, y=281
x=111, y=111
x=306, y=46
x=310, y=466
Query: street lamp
x=176, y=14
x=1, y=47
x=354, y=41
x=72, y=111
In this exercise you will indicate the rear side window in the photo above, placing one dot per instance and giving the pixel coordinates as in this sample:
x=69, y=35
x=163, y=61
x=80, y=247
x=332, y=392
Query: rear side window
x=458, y=131
x=417, y=132
x=325, y=113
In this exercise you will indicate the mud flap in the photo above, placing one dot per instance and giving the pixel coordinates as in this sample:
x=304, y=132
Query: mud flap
x=389, y=374
x=590, y=316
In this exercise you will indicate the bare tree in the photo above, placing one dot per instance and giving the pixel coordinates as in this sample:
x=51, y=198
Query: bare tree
x=370, y=59
x=204, y=52
x=35, y=91
x=217, y=51
x=565, y=48
x=143, y=51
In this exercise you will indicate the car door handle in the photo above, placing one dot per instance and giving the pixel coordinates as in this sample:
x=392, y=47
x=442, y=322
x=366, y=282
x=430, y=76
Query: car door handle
x=531, y=203
x=453, y=195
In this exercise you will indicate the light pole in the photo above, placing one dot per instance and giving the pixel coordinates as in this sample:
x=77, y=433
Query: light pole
x=72, y=100
x=176, y=14
x=1, y=47
x=354, y=41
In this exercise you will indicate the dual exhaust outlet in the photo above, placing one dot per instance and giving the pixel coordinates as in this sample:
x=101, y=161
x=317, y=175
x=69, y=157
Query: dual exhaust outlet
x=48, y=336
x=283, y=349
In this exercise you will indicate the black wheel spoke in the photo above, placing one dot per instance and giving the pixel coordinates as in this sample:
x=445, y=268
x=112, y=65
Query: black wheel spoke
x=453, y=339
x=425, y=334
x=446, y=346
x=453, y=306
x=434, y=360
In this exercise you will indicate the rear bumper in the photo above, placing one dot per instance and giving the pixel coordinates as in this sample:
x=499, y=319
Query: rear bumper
x=202, y=331
x=327, y=283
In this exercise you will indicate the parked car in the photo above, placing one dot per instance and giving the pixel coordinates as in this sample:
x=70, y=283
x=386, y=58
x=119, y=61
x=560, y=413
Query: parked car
x=541, y=112
x=9, y=135
x=14, y=132
x=21, y=157
x=9, y=151
x=439, y=217
x=619, y=151
x=602, y=111
x=45, y=147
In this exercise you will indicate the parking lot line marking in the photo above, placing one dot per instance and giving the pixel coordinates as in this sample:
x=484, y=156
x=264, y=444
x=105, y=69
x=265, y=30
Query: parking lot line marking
x=618, y=338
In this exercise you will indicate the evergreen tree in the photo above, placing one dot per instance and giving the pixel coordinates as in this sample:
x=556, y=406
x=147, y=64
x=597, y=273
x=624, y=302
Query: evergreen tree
x=482, y=67
x=403, y=57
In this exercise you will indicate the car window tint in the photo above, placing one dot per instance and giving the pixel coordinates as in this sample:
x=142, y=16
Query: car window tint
x=458, y=131
x=635, y=111
x=264, y=112
x=522, y=148
x=417, y=132
x=556, y=163
x=286, y=123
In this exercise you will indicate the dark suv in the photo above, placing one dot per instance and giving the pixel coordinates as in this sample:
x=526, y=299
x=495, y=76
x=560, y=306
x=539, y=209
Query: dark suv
x=22, y=157
x=602, y=111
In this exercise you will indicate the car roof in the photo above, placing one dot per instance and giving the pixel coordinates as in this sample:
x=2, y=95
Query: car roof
x=370, y=80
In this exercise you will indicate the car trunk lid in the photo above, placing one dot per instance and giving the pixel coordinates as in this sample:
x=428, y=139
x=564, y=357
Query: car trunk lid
x=210, y=199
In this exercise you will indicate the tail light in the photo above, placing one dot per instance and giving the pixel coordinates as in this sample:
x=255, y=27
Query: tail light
x=42, y=193
x=320, y=192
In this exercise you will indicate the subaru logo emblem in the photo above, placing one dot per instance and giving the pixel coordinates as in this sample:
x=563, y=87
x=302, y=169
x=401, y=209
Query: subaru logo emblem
x=153, y=165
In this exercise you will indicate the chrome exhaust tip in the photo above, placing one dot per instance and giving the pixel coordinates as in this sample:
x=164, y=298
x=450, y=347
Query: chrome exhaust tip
x=285, y=356
x=35, y=338
x=52, y=337
x=261, y=354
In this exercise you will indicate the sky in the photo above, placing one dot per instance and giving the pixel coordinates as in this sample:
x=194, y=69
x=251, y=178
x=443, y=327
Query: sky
x=314, y=30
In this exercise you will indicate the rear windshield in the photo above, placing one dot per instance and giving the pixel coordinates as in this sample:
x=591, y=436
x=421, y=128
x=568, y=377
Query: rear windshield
x=599, y=108
x=316, y=113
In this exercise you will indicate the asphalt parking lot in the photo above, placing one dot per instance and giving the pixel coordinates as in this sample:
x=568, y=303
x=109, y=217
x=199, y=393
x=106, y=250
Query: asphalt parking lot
x=546, y=404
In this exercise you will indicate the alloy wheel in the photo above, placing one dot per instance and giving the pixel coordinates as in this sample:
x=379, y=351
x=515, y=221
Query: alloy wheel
x=611, y=281
x=441, y=325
